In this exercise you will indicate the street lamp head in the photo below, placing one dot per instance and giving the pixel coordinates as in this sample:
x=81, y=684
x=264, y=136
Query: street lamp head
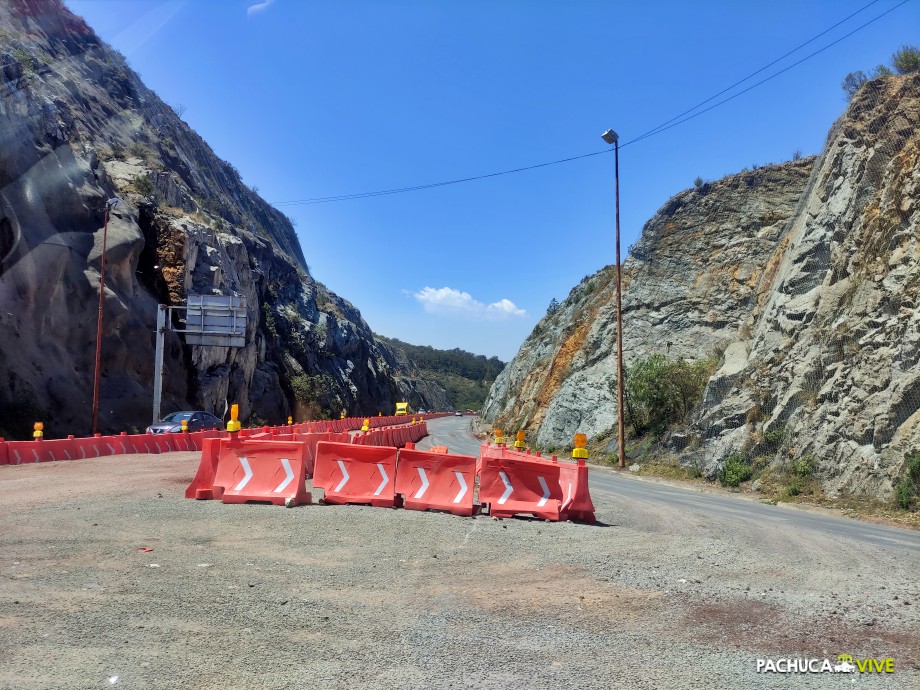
x=610, y=136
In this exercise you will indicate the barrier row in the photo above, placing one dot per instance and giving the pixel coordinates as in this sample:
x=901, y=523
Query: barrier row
x=53, y=450
x=397, y=436
x=240, y=470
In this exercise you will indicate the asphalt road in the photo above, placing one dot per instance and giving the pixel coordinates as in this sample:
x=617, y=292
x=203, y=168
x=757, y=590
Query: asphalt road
x=456, y=434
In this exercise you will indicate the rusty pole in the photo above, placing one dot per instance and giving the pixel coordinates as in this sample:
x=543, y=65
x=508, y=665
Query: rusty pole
x=621, y=424
x=110, y=204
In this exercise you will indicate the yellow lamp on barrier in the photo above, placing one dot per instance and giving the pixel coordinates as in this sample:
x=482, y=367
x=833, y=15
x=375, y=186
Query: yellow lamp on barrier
x=342, y=414
x=499, y=435
x=579, y=451
x=519, y=439
x=234, y=424
x=39, y=431
x=366, y=426
x=290, y=421
x=185, y=425
x=379, y=414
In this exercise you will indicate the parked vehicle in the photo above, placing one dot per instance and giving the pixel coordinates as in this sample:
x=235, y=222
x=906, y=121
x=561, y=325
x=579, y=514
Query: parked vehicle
x=196, y=420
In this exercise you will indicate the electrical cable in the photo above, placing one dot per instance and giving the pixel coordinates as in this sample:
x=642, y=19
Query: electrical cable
x=669, y=124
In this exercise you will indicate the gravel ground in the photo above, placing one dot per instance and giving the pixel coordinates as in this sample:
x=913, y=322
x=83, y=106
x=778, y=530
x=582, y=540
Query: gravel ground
x=319, y=596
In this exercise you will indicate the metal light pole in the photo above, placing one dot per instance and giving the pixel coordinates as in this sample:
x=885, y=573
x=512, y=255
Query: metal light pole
x=611, y=137
x=110, y=204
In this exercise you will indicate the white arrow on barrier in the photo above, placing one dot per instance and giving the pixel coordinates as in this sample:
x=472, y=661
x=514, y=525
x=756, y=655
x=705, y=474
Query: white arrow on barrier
x=385, y=481
x=345, y=476
x=289, y=475
x=35, y=453
x=424, y=487
x=568, y=499
x=111, y=448
x=508, y=488
x=462, y=491
x=542, y=501
x=248, y=470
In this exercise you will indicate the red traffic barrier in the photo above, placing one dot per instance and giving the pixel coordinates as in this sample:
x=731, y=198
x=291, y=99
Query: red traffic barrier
x=577, y=504
x=436, y=481
x=4, y=453
x=350, y=473
x=512, y=486
x=201, y=485
x=261, y=471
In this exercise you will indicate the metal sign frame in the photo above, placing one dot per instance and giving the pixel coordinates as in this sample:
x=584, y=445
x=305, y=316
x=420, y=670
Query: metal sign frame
x=210, y=321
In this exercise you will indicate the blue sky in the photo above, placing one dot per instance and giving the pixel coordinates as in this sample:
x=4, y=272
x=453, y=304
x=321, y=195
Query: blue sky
x=312, y=99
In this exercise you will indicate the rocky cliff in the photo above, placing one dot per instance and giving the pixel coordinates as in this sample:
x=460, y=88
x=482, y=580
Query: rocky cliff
x=800, y=280
x=78, y=127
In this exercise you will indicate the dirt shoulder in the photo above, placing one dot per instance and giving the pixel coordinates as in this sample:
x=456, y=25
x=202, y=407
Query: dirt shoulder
x=250, y=596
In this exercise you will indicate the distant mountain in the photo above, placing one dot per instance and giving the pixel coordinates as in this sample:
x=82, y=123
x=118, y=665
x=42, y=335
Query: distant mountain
x=464, y=378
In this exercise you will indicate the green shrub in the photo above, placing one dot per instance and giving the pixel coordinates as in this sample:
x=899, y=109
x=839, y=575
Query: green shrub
x=698, y=182
x=143, y=185
x=904, y=494
x=804, y=467
x=661, y=392
x=775, y=437
x=735, y=470
x=912, y=464
x=906, y=59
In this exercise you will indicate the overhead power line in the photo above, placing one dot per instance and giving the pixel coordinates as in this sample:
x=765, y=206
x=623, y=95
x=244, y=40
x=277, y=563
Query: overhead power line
x=664, y=126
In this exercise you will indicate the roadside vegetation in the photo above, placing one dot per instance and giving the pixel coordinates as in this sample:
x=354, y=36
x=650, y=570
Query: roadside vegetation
x=904, y=60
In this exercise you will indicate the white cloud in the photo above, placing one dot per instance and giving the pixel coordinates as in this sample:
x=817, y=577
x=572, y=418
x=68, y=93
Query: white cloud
x=259, y=7
x=504, y=308
x=448, y=301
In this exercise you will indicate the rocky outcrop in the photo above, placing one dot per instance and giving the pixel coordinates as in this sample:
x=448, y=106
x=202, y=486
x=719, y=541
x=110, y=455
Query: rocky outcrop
x=834, y=342
x=799, y=280
x=688, y=283
x=78, y=127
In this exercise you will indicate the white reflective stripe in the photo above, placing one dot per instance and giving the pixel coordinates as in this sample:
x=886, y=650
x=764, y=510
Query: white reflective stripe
x=508, y=488
x=542, y=501
x=463, y=486
x=290, y=475
x=111, y=449
x=51, y=453
x=344, y=476
x=568, y=498
x=67, y=454
x=424, y=487
x=18, y=459
x=248, y=470
x=385, y=481
x=35, y=453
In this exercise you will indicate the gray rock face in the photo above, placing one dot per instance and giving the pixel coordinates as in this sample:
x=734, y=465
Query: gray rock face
x=799, y=280
x=687, y=285
x=79, y=127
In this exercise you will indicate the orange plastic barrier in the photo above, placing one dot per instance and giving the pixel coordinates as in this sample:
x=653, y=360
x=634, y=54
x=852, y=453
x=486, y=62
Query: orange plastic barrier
x=438, y=481
x=512, y=486
x=356, y=474
x=261, y=471
x=203, y=483
x=311, y=439
x=577, y=504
